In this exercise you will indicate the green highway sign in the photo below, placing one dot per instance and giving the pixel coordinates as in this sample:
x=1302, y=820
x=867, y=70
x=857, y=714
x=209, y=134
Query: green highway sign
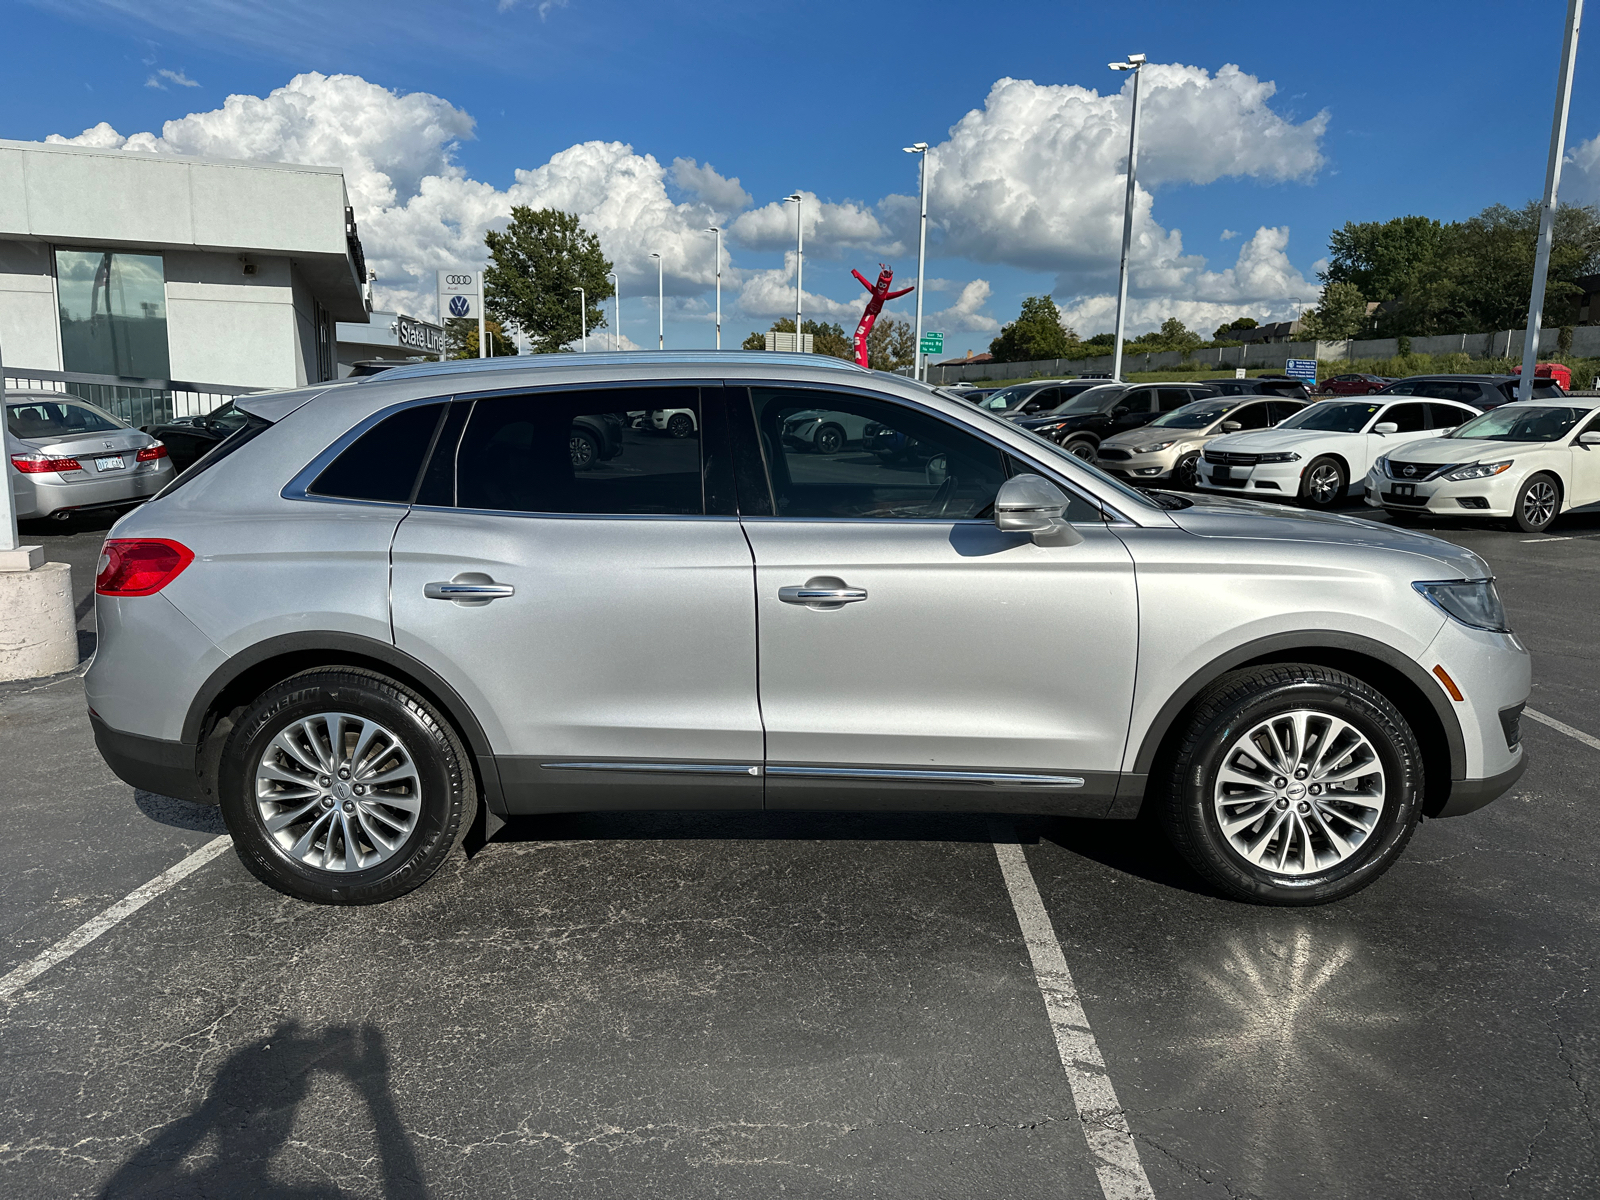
x=933, y=343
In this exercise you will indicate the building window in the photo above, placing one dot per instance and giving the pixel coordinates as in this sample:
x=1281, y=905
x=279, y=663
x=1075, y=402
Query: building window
x=113, y=313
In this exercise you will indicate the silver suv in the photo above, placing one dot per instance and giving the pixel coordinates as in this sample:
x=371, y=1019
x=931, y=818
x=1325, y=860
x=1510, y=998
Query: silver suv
x=390, y=609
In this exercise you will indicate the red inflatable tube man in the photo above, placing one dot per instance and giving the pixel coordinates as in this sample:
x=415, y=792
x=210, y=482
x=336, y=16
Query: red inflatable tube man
x=880, y=292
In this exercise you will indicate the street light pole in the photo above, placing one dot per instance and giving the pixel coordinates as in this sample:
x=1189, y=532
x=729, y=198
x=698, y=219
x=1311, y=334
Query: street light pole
x=616, y=309
x=1547, y=211
x=799, y=263
x=661, y=302
x=922, y=248
x=1135, y=64
x=583, y=316
x=717, y=229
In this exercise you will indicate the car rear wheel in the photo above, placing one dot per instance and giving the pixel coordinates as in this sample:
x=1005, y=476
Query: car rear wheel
x=829, y=440
x=1323, y=484
x=1538, y=503
x=340, y=786
x=1293, y=784
x=1083, y=448
x=680, y=425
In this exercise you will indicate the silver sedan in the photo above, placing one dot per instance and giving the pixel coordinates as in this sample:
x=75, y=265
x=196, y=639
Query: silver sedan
x=63, y=455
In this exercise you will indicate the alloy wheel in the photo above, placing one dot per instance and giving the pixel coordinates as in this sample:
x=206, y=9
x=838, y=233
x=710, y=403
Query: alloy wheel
x=338, y=792
x=1322, y=485
x=1299, y=792
x=1539, y=504
x=1083, y=450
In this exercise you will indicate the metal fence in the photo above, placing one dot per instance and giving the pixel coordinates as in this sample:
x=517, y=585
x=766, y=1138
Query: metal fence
x=139, y=402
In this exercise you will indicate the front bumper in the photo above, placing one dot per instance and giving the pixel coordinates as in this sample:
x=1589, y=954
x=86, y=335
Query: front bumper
x=1469, y=795
x=1141, y=469
x=1495, y=496
x=1263, y=479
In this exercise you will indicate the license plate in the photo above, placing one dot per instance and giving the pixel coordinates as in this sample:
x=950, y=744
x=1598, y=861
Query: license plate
x=111, y=462
x=1405, y=489
x=1224, y=475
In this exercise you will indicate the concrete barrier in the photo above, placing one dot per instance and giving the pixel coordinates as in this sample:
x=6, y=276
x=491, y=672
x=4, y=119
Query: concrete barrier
x=38, y=628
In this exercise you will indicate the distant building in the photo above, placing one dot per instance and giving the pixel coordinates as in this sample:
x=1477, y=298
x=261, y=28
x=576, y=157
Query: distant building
x=970, y=360
x=133, y=272
x=387, y=336
x=1276, y=331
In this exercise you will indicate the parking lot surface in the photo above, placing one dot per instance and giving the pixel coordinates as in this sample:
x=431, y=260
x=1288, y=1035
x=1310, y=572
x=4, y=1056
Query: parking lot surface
x=807, y=1005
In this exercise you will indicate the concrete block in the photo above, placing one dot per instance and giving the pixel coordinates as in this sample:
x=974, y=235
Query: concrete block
x=23, y=558
x=38, y=628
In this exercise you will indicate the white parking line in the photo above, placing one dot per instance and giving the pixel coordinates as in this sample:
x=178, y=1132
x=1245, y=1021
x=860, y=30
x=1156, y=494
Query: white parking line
x=80, y=937
x=1562, y=727
x=1105, y=1128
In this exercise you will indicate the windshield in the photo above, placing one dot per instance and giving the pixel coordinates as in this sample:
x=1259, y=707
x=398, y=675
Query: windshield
x=1522, y=423
x=48, y=418
x=1007, y=398
x=1195, y=415
x=1332, y=418
x=1090, y=401
x=1051, y=453
x=226, y=417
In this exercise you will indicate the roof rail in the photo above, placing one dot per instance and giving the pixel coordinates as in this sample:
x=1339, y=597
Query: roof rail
x=632, y=358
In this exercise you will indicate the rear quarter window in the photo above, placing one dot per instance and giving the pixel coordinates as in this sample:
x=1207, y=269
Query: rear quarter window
x=382, y=464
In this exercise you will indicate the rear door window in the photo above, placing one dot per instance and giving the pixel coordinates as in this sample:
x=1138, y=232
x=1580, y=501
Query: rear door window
x=515, y=454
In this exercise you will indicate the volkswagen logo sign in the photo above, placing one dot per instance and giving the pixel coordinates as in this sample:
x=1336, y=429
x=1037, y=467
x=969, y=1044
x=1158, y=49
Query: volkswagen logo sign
x=459, y=306
x=1409, y=471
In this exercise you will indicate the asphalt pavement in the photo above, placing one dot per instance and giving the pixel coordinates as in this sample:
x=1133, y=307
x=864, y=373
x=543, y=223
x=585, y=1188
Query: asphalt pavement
x=711, y=1005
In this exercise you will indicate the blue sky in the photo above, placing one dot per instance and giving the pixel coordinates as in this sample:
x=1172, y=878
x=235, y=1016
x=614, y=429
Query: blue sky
x=1438, y=109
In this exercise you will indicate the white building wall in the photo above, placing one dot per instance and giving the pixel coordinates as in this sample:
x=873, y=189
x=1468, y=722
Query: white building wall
x=30, y=328
x=226, y=327
x=305, y=327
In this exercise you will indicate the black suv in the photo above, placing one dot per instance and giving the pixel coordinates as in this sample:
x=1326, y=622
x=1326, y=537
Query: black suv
x=1480, y=391
x=1081, y=423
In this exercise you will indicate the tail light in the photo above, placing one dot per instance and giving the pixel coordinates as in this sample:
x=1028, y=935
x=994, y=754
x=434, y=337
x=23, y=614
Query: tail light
x=140, y=566
x=151, y=452
x=38, y=464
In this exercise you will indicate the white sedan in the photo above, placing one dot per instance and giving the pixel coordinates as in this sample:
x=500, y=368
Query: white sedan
x=1528, y=462
x=1315, y=455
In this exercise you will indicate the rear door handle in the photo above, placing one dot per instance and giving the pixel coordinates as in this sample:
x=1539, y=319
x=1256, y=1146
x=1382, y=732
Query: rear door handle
x=823, y=591
x=469, y=589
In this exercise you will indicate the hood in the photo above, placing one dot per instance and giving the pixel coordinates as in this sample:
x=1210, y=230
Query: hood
x=1129, y=438
x=1462, y=450
x=1257, y=441
x=1227, y=517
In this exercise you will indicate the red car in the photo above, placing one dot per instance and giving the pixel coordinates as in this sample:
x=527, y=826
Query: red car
x=1554, y=371
x=1352, y=385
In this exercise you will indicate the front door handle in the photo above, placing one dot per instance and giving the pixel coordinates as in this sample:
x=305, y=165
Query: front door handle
x=822, y=591
x=470, y=589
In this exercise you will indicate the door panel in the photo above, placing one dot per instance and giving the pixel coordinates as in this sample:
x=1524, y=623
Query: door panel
x=974, y=650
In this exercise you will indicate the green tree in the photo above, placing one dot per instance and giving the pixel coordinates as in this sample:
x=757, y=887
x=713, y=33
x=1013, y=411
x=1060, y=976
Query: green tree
x=892, y=344
x=1037, y=333
x=1225, y=332
x=825, y=339
x=533, y=268
x=1341, y=313
x=461, y=338
x=1173, y=335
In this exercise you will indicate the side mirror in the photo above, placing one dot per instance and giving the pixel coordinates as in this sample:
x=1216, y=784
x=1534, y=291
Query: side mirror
x=1386, y=427
x=1231, y=427
x=1032, y=504
x=937, y=470
x=1592, y=438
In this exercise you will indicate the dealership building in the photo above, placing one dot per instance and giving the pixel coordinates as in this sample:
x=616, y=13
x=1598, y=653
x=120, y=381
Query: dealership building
x=160, y=285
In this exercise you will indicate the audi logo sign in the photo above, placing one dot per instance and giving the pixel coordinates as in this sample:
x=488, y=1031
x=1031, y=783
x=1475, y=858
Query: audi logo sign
x=459, y=283
x=459, y=280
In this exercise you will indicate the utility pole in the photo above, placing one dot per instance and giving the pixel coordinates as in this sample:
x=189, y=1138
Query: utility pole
x=717, y=229
x=482, y=352
x=1547, y=211
x=799, y=262
x=661, y=302
x=1135, y=64
x=583, y=316
x=616, y=310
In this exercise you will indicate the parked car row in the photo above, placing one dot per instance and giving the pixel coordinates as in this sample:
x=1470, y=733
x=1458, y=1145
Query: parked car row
x=64, y=455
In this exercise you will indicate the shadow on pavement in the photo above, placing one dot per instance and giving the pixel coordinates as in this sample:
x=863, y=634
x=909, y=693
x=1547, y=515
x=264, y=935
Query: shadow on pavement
x=180, y=814
x=226, y=1146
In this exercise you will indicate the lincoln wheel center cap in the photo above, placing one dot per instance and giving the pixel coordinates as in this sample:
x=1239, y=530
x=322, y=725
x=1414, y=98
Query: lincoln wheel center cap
x=341, y=790
x=1294, y=791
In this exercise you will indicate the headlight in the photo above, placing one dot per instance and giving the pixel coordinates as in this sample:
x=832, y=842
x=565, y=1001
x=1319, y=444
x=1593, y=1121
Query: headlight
x=1151, y=449
x=1382, y=465
x=1471, y=602
x=1479, y=470
x=1287, y=456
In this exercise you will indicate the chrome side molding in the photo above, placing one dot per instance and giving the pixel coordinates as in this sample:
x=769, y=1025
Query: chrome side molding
x=656, y=768
x=989, y=778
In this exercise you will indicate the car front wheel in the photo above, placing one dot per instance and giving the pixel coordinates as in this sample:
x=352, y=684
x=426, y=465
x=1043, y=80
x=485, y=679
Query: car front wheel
x=1184, y=474
x=830, y=440
x=340, y=786
x=1538, y=502
x=680, y=425
x=584, y=449
x=1323, y=484
x=1293, y=784
x=1082, y=448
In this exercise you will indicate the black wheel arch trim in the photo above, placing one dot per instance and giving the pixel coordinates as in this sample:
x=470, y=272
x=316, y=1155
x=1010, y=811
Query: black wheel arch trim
x=339, y=649
x=1275, y=646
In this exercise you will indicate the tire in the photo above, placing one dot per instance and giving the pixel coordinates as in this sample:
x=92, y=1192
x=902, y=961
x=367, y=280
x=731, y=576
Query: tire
x=1538, y=503
x=1294, y=861
x=270, y=752
x=830, y=439
x=585, y=450
x=680, y=425
x=1084, y=448
x=1323, y=483
x=1185, y=473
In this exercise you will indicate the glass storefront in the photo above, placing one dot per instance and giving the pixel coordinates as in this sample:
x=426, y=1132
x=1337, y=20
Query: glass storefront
x=113, y=313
